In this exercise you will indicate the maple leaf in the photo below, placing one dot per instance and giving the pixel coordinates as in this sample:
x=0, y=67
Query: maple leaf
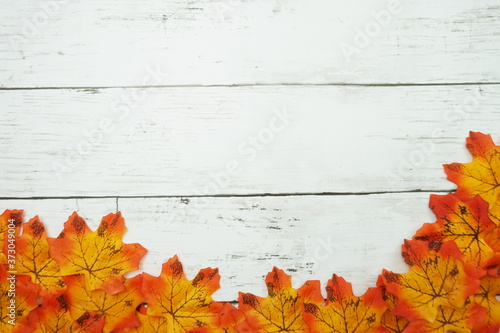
x=33, y=259
x=10, y=226
x=281, y=311
x=100, y=256
x=183, y=305
x=393, y=323
x=54, y=316
x=18, y=296
x=149, y=324
x=465, y=222
x=118, y=309
x=449, y=319
x=490, y=287
x=229, y=316
x=344, y=312
x=482, y=175
x=493, y=240
x=436, y=278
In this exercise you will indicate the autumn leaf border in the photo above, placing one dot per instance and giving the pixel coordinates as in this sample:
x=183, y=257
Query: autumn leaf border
x=76, y=282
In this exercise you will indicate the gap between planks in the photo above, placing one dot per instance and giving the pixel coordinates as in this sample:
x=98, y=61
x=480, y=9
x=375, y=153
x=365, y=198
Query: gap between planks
x=250, y=195
x=340, y=84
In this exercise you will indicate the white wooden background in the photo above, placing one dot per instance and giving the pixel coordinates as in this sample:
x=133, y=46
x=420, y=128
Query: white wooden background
x=239, y=134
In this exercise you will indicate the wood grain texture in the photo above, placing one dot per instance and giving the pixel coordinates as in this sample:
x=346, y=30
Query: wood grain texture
x=247, y=140
x=70, y=43
x=309, y=237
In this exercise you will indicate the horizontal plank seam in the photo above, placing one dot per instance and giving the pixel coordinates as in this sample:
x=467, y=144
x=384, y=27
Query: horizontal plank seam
x=340, y=84
x=234, y=195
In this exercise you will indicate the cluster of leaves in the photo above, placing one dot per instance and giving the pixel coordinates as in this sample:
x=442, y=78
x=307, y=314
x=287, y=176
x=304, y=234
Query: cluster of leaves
x=76, y=283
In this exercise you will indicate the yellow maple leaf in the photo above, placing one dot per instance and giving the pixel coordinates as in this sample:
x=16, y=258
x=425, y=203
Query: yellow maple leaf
x=464, y=221
x=33, y=259
x=482, y=175
x=486, y=297
x=179, y=305
x=451, y=319
x=344, y=312
x=10, y=226
x=119, y=309
x=436, y=278
x=100, y=256
x=281, y=311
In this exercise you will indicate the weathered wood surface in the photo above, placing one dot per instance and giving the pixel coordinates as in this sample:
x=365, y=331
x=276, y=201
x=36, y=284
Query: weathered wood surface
x=212, y=42
x=309, y=237
x=246, y=140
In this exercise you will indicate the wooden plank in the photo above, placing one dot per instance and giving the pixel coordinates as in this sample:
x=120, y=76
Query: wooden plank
x=56, y=43
x=246, y=140
x=309, y=237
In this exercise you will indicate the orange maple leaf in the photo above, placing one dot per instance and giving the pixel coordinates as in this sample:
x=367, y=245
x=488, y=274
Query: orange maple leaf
x=118, y=309
x=54, y=316
x=482, y=175
x=344, y=312
x=183, y=305
x=281, y=311
x=436, y=278
x=493, y=265
x=33, y=259
x=450, y=319
x=486, y=297
x=465, y=222
x=229, y=316
x=100, y=256
x=18, y=296
x=393, y=323
x=10, y=226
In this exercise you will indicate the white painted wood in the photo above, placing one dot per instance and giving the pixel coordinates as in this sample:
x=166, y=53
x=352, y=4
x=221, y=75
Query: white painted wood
x=109, y=43
x=198, y=141
x=245, y=237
